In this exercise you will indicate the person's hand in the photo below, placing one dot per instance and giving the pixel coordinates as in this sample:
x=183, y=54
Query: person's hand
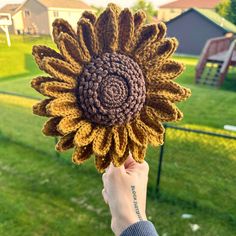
x=125, y=190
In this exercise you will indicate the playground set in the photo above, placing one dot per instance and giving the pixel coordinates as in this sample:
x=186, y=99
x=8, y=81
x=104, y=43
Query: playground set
x=218, y=55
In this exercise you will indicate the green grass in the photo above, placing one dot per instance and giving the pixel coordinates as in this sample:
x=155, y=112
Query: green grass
x=16, y=61
x=42, y=194
x=45, y=195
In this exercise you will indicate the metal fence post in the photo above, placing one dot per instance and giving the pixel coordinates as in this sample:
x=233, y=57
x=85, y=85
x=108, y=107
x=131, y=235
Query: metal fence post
x=160, y=162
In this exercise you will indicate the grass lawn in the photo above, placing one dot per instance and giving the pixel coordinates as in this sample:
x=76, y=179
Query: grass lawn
x=16, y=61
x=45, y=195
x=42, y=194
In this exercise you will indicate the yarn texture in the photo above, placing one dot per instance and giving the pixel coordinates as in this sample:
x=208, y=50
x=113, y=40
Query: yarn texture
x=110, y=86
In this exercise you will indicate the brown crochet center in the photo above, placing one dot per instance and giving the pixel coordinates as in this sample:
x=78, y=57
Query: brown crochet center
x=111, y=89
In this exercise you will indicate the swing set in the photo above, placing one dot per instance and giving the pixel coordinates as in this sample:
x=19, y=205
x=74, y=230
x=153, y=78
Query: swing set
x=5, y=22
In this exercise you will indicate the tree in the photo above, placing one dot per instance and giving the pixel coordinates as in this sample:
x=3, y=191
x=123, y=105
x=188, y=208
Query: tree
x=227, y=9
x=232, y=11
x=147, y=7
x=223, y=8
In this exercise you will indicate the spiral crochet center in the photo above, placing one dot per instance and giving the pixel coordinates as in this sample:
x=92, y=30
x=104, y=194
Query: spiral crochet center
x=111, y=89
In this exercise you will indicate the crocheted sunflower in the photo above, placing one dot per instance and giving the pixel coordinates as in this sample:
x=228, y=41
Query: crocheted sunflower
x=110, y=86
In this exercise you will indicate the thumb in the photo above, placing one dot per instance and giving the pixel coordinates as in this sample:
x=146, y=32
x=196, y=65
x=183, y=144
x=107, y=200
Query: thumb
x=130, y=162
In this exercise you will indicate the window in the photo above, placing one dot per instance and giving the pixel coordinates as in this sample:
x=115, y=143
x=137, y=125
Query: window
x=55, y=13
x=27, y=13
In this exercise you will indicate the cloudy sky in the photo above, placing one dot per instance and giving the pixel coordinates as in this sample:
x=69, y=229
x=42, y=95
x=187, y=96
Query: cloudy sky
x=123, y=3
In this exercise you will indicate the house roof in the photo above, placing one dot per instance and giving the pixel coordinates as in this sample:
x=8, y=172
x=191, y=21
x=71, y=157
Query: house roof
x=64, y=4
x=217, y=19
x=184, y=4
x=213, y=17
x=9, y=8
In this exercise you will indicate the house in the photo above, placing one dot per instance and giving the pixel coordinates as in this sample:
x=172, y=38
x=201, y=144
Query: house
x=37, y=16
x=10, y=9
x=170, y=10
x=195, y=26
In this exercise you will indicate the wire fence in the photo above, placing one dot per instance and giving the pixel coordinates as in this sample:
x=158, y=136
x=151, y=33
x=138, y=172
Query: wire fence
x=199, y=167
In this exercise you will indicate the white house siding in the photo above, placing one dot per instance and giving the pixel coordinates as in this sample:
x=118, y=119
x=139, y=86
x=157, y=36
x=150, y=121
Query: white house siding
x=70, y=15
x=18, y=23
x=37, y=19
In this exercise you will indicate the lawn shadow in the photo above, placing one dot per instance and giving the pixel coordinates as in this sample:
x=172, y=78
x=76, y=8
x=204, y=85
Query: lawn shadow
x=30, y=67
x=230, y=81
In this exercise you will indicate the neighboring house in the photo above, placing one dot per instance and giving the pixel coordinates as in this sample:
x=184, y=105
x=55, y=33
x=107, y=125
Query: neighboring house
x=10, y=9
x=195, y=26
x=169, y=11
x=37, y=16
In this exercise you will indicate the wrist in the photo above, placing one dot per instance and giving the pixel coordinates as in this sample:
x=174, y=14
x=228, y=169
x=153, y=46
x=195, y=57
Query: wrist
x=119, y=224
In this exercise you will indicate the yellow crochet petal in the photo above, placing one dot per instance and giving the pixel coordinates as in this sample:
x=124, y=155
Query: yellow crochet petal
x=86, y=34
x=147, y=36
x=138, y=152
x=40, y=108
x=168, y=69
x=69, y=124
x=102, y=162
x=75, y=52
x=115, y=8
x=40, y=52
x=85, y=134
x=180, y=114
x=62, y=26
x=139, y=20
x=65, y=142
x=102, y=141
x=50, y=127
x=161, y=31
x=163, y=109
x=36, y=82
x=56, y=89
x=156, y=52
x=63, y=107
x=81, y=154
x=106, y=29
x=120, y=136
x=88, y=15
x=119, y=160
x=167, y=89
x=148, y=117
x=154, y=130
x=137, y=134
x=61, y=70
x=126, y=30
x=166, y=49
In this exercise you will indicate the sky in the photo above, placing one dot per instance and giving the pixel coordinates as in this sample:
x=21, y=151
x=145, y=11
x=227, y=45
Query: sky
x=123, y=3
